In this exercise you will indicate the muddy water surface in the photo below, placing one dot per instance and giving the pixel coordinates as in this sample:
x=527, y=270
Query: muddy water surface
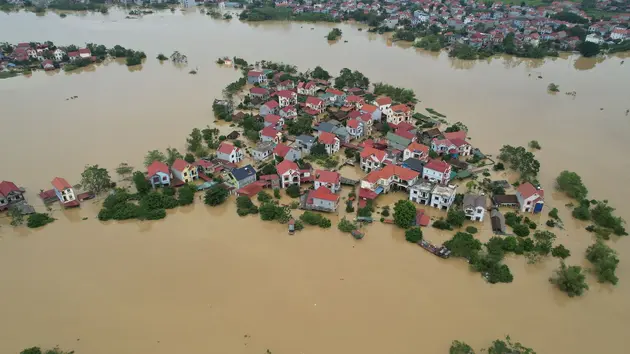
x=204, y=280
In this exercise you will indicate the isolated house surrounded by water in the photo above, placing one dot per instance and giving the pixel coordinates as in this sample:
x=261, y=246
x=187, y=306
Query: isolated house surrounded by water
x=158, y=174
x=10, y=194
x=184, y=171
x=65, y=192
x=530, y=198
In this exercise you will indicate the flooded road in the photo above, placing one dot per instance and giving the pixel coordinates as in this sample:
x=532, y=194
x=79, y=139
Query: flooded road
x=204, y=280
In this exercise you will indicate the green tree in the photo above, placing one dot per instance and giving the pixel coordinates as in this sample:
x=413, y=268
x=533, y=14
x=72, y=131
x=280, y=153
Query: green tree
x=195, y=140
x=463, y=245
x=318, y=150
x=172, y=154
x=404, y=213
x=263, y=197
x=320, y=73
x=190, y=158
x=571, y=184
x=603, y=215
x=154, y=155
x=455, y=217
x=605, y=261
x=17, y=218
x=293, y=191
x=142, y=185
x=346, y=226
x=302, y=125
x=38, y=350
x=124, y=169
x=560, y=252
x=95, y=179
x=216, y=195
x=570, y=279
x=38, y=220
x=458, y=347
x=589, y=49
x=276, y=193
x=520, y=160
x=507, y=347
x=521, y=230
x=186, y=195
x=413, y=235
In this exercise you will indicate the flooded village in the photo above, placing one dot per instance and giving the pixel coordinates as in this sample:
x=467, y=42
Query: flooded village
x=286, y=165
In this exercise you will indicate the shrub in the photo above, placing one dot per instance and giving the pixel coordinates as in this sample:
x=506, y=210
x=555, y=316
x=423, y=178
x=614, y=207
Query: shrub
x=216, y=195
x=168, y=191
x=245, y=206
x=521, y=230
x=581, y=213
x=535, y=145
x=325, y=223
x=346, y=226
x=186, y=195
x=38, y=220
x=571, y=184
x=276, y=193
x=560, y=252
x=441, y=224
x=550, y=223
x=499, y=166
x=413, y=235
x=532, y=225
x=293, y=191
x=605, y=261
x=554, y=214
x=570, y=280
x=263, y=197
x=349, y=208
x=511, y=219
x=385, y=212
x=471, y=230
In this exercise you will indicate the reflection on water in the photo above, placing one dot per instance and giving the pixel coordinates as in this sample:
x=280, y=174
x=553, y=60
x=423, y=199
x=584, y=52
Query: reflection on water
x=130, y=287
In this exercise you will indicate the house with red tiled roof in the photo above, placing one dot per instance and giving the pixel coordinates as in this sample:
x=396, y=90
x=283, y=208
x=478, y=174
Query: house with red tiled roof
x=398, y=113
x=48, y=65
x=159, y=174
x=285, y=85
x=64, y=191
x=383, y=103
x=463, y=147
x=328, y=179
x=184, y=171
x=289, y=173
x=307, y=88
x=230, y=153
x=330, y=141
x=372, y=159
x=354, y=128
x=337, y=97
x=288, y=112
x=530, y=198
x=417, y=151
x=286, y=152
x=274, y=121
x=443, y=146
x=85, y=53
x=460, y=134
x=269, y=107
x=286, y=98
x=321, y=199
x=256, y=77
x=437, y=171
x=316, y=104
x=354, y=101
x=10, y=194
x=372, y=110
x=259, y=93
x=388, y=177
x=270, y=134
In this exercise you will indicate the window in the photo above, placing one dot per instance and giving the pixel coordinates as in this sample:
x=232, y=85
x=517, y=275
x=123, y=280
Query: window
x=185, y=174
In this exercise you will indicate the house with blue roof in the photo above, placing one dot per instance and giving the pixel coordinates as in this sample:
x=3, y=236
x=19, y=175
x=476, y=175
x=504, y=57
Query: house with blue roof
x=242, y=176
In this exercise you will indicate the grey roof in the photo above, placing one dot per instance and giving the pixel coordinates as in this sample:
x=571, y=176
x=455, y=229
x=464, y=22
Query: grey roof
x=423, y=185
x=334, y=122
x=326, y=127
x=264, y=146
x=306, y=139
x=342, y=131
x=243, y=172
x=414, y=164
x=471, y=200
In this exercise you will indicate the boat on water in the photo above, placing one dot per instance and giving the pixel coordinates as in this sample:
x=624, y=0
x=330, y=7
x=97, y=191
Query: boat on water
x=441, y=251
x=366, y=219
x=291, y=227
x=388, y=221
x=357, y=234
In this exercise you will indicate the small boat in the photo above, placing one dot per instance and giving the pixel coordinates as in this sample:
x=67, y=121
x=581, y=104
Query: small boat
x=357, y=234
x=441, y=251
x=291, y=226
x=388, y=221
x=366, y=219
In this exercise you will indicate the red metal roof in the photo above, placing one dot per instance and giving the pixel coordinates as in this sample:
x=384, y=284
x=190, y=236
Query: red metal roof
x=414, y=146
x=180, y=165
x=455, y=135
x=322, y=193
x=367, y=194
x=422, y=219
x=353, y=123
x=271, y=104
x=272, y=118
x=314, y=101
x=527, y=190
x=370, y=151
x=389, y=171
x=400, y=108
x=285, y=93
x=155, y=167
x=225, y=147
x=258, y=90
x=334, y=91
x=369, y=108
x=254, y=73
x=381, y=101
x=281, y=150
x=327, y=138
x=269, y=132
x=326, y=176
x=285, y=166
x=60, y=183
x=251, y=189
x=437, y=165
x=7, y=187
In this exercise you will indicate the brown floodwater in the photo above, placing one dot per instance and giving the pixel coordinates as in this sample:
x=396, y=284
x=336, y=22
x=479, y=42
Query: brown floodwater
x=205, y=280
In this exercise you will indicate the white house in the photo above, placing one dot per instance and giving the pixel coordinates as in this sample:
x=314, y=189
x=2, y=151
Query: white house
x=368, y=123
x=390, y=176
x=474, y=206
x=330, y=141
x=262, y=151
x=437, y=171
x=229, y=152
x=274, y=121
x=619, y=33
x=328, y=179
x=354, y=128
x=398, y=114
x=287, y=152
x=372, y=159
x=383, y=104
x=58, y=54
x=421, y=192
x=286, y=98
x=269, y=134
x=530, y=198
x=64, y=191
x=307, y=88
x=289, y=173
x=321, y=199
x=442, y=197
x=316, y=104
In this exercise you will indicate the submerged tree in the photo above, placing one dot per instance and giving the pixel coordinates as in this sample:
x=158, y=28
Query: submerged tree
x=95, y=179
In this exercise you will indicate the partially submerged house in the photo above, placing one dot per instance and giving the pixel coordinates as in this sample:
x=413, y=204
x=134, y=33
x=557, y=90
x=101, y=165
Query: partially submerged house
x=10, y=195
x=321, y=199
x=474, y=207
x=159, y=174
x=243, y=176
x=184, y=171
x=65, y=193
x=230, y=153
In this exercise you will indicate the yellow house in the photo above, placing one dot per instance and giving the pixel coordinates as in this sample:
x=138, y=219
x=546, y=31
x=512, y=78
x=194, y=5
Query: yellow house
x=184, y=171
